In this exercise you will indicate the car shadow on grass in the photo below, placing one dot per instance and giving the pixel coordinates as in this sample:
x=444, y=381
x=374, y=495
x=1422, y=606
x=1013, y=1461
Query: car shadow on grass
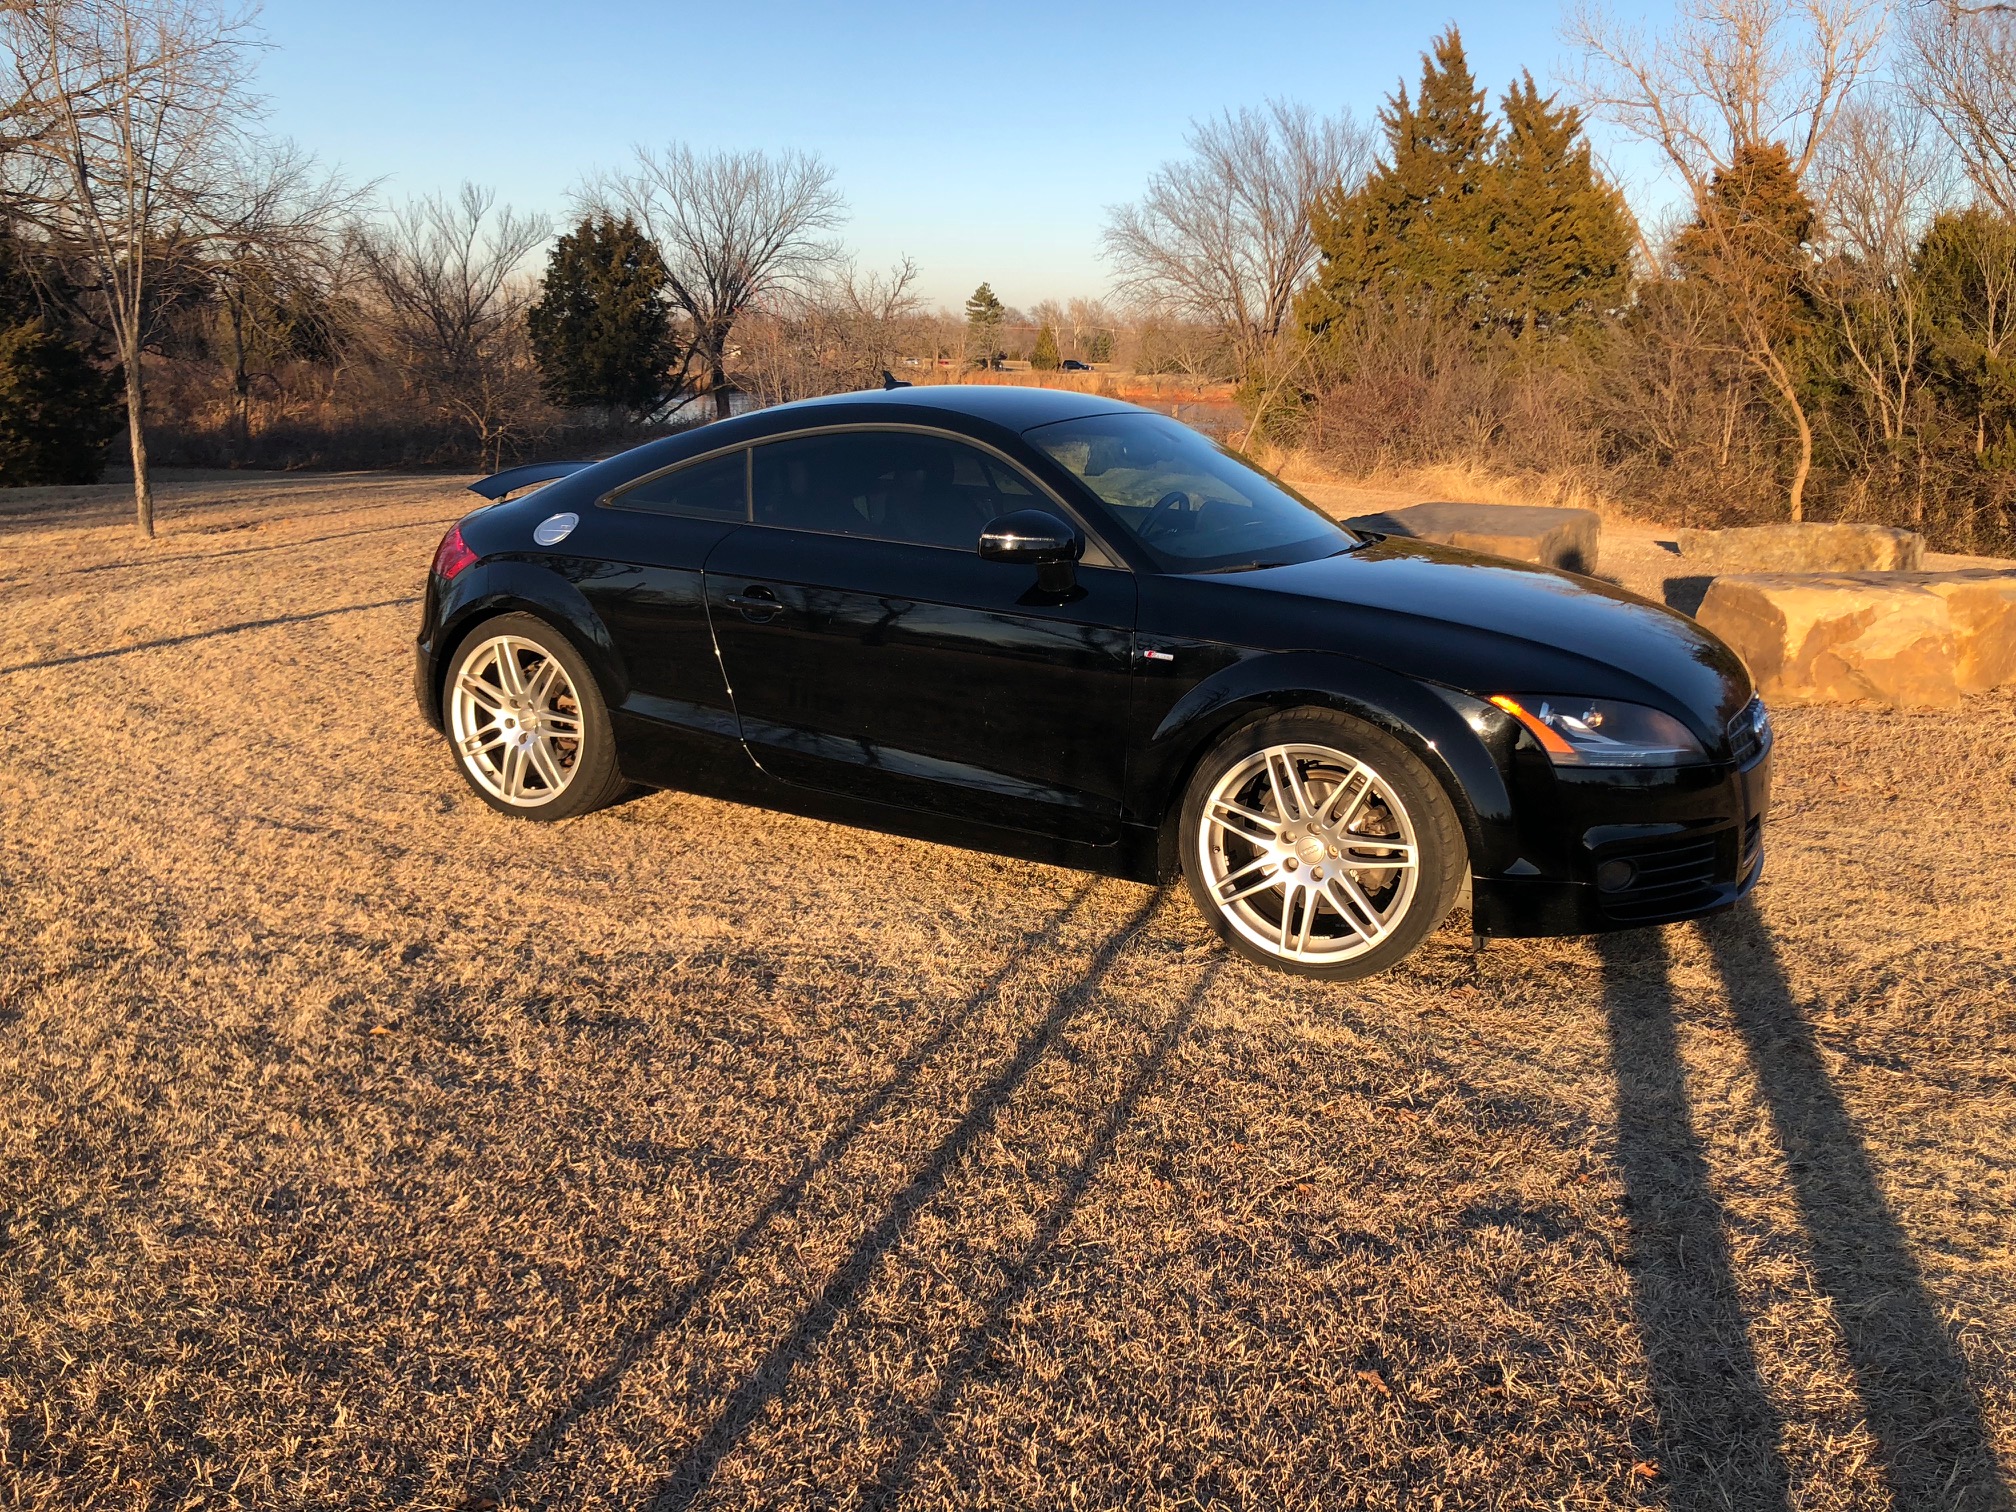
x=767, y=1381
x=1718, y=1433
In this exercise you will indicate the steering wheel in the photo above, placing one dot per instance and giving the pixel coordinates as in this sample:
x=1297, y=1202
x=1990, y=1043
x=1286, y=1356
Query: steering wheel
x=1167, y=505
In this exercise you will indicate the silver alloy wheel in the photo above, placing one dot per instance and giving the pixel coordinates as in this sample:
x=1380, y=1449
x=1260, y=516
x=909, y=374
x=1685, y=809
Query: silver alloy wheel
x=1308, y=853
x=515, y=720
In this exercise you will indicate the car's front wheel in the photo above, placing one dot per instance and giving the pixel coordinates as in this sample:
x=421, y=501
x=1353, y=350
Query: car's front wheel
x=528, y=724
x=1321, y=845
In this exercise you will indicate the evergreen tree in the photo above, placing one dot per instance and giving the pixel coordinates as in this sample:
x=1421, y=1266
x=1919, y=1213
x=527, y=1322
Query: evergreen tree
x=57, y=410
x=1044, y=357
x=1560, y=236
x=19, y=302
x=984, y=314
x=1416, y=234
x=601, y=329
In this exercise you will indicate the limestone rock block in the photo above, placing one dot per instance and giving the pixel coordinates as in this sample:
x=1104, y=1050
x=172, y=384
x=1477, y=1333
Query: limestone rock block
x=1564, y=538
x=1803, y=548
x=1907, y=639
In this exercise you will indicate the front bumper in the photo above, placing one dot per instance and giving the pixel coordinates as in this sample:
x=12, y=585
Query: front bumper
x=1667, y=846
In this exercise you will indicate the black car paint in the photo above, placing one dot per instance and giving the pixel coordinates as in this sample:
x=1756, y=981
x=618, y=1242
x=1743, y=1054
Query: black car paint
x=927, y=692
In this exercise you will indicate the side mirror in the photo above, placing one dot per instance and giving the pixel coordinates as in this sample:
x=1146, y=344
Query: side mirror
x=1033, y=537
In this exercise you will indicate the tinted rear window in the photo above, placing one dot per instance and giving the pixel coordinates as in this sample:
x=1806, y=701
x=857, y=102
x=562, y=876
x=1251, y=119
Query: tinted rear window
x=716, y=489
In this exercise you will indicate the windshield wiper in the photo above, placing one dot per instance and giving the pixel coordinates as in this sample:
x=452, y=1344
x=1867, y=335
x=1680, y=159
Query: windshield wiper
x=1238, y=567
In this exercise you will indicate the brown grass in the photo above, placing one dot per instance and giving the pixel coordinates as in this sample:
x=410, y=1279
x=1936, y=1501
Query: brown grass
x=359, y=1148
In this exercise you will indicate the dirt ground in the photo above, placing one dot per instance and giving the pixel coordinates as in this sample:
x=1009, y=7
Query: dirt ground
x=361, y=1148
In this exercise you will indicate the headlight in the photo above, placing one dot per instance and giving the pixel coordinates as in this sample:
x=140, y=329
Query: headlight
x=1600, y=732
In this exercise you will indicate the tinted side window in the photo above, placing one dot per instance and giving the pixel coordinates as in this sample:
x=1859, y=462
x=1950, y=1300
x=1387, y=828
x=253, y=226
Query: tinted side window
x=712, y=490
x=891, y=485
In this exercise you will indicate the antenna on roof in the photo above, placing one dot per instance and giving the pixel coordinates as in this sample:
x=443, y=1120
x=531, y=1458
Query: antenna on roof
x=891, y=381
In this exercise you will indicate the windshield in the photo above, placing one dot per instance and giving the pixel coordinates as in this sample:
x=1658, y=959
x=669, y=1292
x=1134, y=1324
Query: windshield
x=1194, y=506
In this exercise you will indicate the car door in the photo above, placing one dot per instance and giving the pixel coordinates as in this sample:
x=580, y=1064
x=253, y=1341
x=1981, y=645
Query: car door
x=652, y=537
x=871, y=652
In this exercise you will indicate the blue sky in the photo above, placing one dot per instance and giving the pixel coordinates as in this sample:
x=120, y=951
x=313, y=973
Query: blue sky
x=983, y=141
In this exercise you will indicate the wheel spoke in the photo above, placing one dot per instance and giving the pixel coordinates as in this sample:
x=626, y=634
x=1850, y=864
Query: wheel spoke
x=1270, y=877
x=483, y=740
x=546, y=764
x=540, y=686
x=487, y=697
x=1349, y=900
x=1308, y=896
x=511, y=771
x=1246, y=823
x=1400, y=856
x=509, y=673
x=1357, y=785
x=1290, y=797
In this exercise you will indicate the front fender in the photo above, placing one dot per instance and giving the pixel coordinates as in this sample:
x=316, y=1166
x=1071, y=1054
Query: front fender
x=1435, y=723
x=512, y=585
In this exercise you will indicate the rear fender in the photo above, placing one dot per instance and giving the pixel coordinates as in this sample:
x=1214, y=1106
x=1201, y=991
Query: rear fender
x=1431, y=722
x=517, y=587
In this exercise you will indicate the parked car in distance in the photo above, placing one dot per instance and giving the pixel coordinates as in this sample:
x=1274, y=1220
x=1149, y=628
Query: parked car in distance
x=1060, y=627
x=1073, y=365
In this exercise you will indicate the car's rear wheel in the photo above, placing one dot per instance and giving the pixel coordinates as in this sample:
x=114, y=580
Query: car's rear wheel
x=1318, y=844
x=528, y=724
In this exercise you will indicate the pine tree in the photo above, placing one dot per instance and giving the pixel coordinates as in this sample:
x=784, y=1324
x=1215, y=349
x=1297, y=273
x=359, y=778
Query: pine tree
x=984, y=314
x=1560, y=246
x=1044, y=356
x=57, y=410
x=601, y=329
x=1415, y=235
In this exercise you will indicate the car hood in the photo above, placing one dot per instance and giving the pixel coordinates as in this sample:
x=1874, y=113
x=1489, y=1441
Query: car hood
x=1487, y=625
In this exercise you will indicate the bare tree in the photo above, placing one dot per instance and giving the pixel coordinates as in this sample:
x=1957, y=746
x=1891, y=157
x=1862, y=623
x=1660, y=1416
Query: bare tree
x=841, y=330
x=733, y=228
x=1729, y=80
x=1223, y=236
x=128, y=116
x=1959, y=63
x=278, y=256
x=453, y=305
x=1883, y=175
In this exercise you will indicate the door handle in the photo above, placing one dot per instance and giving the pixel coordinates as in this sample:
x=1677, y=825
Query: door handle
x=756, y=602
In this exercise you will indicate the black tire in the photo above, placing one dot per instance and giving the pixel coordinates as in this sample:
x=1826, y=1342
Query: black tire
x=1339, y=939
x=585, y=762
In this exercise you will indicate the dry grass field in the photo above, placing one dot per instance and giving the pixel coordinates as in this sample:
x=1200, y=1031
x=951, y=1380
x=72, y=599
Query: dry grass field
x=360, y=1148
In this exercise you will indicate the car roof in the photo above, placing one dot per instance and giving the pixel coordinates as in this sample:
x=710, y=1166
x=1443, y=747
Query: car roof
x=973, y=408
x=1010, y=406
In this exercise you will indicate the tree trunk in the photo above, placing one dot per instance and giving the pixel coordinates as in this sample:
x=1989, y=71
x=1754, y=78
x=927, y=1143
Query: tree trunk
x=717, y=379
x=241, y=380
x=1805, y=465
x=1781, y=379
x=136, y=435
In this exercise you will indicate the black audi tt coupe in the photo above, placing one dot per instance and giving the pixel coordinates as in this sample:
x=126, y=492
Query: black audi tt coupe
x=1060, y=627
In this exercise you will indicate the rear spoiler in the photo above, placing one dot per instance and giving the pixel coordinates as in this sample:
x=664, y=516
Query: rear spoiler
x=497, y=485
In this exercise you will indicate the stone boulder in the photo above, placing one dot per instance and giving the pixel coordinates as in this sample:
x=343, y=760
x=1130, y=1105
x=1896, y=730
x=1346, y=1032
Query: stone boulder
x=1907, y=639
x=1802, y=548
x=1564, y=538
